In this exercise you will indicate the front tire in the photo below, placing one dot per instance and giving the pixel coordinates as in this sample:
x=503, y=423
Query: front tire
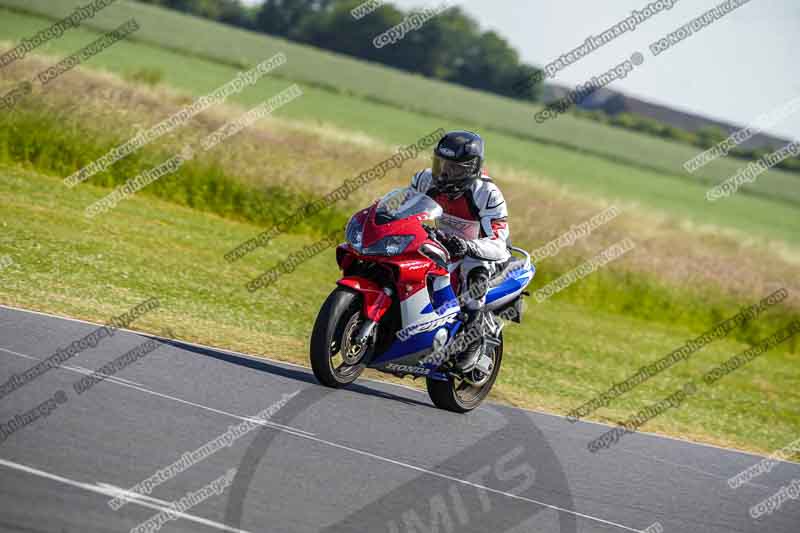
x=337, y=321
x=459, y=396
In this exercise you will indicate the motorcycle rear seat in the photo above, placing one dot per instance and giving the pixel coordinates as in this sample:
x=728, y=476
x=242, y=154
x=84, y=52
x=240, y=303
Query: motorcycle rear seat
x=503, y=270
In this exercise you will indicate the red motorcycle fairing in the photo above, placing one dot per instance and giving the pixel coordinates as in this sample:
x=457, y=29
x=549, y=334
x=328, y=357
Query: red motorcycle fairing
x=411, y=268
x=376, y=301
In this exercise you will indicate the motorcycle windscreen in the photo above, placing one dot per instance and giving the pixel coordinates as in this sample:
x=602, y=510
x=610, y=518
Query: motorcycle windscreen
x=403, y=203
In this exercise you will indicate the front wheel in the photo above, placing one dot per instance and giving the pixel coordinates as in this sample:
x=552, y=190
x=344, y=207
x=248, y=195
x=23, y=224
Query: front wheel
x=335, y=359
x=465, y=393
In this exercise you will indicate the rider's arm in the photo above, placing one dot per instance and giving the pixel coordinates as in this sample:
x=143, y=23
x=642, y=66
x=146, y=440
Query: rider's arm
x=493, y=210
x=421, y=181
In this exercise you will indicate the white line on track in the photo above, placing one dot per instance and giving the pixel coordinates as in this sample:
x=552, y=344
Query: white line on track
x=75, y=368
x=471, y=484
x=106, y=490
x=129, y=495
x=142, y=388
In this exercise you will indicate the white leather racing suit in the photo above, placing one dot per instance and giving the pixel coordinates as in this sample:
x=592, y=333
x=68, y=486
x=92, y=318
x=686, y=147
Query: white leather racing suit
x=479, y=215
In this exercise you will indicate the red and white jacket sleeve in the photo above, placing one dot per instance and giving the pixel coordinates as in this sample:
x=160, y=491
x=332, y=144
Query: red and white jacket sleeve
x=493, y=212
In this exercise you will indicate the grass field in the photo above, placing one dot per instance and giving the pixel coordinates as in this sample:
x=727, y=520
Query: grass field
x=695, y=264
x=766, y=218
x=360, y=87
x=562, y=355
x=52, y=133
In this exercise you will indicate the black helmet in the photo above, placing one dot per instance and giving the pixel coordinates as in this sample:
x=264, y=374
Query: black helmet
x=457, y=161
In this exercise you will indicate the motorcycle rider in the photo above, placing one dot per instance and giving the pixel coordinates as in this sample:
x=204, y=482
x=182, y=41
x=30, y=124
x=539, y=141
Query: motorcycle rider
x=474, y=223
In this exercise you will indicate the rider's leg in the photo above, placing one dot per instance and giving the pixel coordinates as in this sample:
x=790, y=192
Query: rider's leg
x=475, y=276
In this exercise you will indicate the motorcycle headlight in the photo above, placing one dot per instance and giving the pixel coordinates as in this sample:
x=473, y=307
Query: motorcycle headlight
x=394, y=245
x=354, y=234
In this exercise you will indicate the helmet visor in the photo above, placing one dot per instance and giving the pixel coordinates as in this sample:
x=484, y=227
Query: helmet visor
x=447, y=170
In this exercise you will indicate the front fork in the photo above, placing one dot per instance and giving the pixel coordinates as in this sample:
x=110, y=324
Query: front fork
x=376, y=302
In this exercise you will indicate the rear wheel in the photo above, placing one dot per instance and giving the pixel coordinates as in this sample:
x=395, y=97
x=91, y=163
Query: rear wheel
x=335, y=359
x=464, y=393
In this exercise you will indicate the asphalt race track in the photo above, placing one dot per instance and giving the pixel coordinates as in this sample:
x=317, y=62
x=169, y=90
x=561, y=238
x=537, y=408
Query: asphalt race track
x=373, y=458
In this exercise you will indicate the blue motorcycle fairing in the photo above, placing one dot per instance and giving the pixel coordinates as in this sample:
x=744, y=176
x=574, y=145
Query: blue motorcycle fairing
x=420, y=344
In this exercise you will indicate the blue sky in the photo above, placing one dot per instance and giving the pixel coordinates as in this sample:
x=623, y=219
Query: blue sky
x=743, y=65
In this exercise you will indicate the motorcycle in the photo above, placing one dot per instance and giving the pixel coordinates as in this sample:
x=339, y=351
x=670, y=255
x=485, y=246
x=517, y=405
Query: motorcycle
x=395, y=309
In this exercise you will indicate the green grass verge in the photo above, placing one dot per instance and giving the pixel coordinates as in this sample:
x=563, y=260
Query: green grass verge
x=561, y=356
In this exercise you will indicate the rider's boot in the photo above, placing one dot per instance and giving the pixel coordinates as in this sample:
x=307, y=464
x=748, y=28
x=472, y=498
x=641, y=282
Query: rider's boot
x=473, y=330
x=477, y=287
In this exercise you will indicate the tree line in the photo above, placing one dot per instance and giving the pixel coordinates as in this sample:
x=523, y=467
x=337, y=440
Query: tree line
x=450, y=47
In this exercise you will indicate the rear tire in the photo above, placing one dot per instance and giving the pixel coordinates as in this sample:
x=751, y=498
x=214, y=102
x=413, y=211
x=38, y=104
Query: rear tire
x=452, y=395
x=339, y=316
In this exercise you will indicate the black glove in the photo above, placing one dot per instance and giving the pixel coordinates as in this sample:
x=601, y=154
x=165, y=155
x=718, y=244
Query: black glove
x=456, y=246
